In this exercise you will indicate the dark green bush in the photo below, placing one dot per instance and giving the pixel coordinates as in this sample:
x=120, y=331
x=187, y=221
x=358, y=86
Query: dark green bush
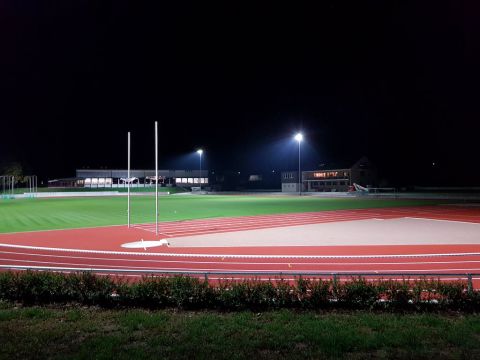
x=357, y=293
x=8, y=289
x=231, y=295
x=315, y=293
x=396, y=293
x=150, y=292
x=191, y=293
x=40, y=287
x=90, y=289
x=286, y=294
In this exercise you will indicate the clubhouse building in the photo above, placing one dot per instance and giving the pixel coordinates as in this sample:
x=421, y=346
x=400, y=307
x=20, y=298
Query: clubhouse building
x=331, y=179
x=103, y=178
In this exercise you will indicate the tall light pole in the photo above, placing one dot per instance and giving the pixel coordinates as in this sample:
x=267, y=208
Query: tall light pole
x=299, y=138
x=200, y=153
x=128, y=180
x=156, y=177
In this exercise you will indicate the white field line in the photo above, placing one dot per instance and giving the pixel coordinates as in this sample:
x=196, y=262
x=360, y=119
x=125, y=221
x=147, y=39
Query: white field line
x=442, y=212
x=240, y=263
x=64, y=229
x=237, y=256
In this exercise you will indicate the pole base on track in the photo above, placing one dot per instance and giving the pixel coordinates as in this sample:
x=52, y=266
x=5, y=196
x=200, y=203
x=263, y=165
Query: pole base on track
x=143, y=244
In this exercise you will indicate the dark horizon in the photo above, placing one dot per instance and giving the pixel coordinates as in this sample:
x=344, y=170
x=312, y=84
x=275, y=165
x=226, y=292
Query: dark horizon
x=397, y=83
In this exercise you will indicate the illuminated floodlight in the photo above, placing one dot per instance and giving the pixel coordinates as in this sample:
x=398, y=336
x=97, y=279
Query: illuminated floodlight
x=200, y=152
x=299, y=138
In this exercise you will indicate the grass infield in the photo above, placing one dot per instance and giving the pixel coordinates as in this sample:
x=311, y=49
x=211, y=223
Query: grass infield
x=85, y=333
x=66, y=213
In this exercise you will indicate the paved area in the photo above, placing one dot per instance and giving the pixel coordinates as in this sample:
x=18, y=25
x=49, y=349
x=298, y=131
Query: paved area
x=402, y=231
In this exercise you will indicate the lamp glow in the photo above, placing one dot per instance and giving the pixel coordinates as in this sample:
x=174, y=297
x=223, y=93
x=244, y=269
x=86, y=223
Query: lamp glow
x=299, y=138
x=200, y=152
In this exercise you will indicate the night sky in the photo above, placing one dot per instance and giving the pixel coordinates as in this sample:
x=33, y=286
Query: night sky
x=397, y=81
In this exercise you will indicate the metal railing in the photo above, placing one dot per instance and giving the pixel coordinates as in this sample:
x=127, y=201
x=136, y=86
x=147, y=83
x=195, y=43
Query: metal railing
x=336, y=276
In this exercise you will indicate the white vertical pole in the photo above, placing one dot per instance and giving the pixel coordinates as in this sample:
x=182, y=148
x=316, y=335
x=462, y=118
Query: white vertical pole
x=200, y=176
x=299, y=172
x=128, y=180
x=156, y=177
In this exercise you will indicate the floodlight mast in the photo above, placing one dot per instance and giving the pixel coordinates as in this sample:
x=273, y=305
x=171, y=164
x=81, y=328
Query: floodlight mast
x=200, y=153
x=156, y=177
x=299, y=138
x=128, y=180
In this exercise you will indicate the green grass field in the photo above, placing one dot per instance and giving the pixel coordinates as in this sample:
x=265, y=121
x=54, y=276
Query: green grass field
x=66, y=213
x=86, y=333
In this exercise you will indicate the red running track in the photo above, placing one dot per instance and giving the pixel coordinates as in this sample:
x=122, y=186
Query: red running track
x=100, y=248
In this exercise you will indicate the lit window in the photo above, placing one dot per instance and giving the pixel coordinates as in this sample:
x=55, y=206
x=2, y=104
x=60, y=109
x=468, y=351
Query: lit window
x=190, y=181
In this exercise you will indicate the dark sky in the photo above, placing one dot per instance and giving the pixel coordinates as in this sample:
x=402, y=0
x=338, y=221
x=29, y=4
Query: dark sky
x=397, y=81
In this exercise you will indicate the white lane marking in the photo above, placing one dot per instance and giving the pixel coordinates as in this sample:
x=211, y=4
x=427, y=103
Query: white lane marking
x=226, y=269
x=238, y=256
x=280, y=271
x=442, y=220
x=397, y=212
x=175, y=222
x=209, y=228
x=237, y=262
x=253, y=220
x=239, y=222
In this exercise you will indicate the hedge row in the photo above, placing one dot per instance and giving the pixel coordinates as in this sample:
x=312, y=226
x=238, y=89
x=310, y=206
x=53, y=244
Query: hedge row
x=191, y=293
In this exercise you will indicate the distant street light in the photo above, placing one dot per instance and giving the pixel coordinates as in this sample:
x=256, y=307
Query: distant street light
x=299, y=138
x=200, y=153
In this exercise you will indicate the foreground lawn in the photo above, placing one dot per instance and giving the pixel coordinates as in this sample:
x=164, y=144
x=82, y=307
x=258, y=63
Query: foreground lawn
x=85, y=333
x=63, y=213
